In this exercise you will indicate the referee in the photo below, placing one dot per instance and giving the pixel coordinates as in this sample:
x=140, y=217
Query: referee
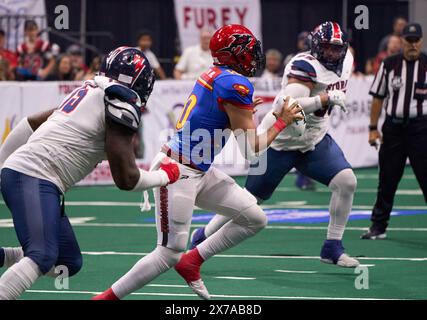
x=400, y=87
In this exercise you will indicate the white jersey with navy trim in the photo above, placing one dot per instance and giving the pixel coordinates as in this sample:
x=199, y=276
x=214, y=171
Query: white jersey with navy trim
x=67, y=147
x=307, y=68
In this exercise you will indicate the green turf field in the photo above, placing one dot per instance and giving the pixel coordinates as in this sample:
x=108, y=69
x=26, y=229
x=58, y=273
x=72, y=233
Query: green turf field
x=281, y=262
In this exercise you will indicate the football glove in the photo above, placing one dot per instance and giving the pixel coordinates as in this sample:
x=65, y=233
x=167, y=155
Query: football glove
x=336, y=98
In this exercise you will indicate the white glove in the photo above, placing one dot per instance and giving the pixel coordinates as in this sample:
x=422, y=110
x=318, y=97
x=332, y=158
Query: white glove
x=337, y=98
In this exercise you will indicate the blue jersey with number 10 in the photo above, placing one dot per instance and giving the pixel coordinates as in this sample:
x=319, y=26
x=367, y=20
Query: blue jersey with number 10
x=200, y=127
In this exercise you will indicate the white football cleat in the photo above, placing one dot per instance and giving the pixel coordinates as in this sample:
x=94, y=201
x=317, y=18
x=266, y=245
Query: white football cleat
x=200, y=289
x=343, y=261
x=347, y=262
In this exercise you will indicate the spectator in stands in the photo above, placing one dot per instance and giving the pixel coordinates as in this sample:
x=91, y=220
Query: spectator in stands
x=77, y=63
x=36, y=57
x=398, y=24
x=63, y=70
x=273, y=64
x=5, y=74
x=303, y=44
x=195, y=59
x=94, y=67
x=394, y=46
x=145, y=41
x=10, y=58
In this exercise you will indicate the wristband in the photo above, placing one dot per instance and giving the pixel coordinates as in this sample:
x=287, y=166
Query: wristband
x=279, y=125
x=373, y=127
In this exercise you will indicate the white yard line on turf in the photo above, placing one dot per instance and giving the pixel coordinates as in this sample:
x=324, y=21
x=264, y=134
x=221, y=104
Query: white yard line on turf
x=212, y=295
x=249, y=256
x=277, y=205
x=234, y=278
x=168, y=285
x=295, y=271
x=81, y=222
x=405, y=192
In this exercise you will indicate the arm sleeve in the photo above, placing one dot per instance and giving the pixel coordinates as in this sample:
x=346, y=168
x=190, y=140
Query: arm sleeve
x=301, y=93
x=16, y=138
x=302, y=70
x=235, y=90
x=379, y=86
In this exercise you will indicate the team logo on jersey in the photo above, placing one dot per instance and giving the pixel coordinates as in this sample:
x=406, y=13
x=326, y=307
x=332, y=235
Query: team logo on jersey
x=241, y=89
x=238, y=44
x=396, y=83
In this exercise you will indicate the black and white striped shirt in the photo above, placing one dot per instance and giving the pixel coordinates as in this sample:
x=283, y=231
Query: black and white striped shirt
x=403, y=85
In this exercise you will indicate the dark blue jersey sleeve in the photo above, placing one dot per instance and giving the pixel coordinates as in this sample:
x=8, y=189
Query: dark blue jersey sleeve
x=302, y=70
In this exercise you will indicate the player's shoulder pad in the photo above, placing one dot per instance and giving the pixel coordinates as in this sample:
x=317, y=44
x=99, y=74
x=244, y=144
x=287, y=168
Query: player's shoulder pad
x=122, y=104
x=302, y=69
x=234, y=83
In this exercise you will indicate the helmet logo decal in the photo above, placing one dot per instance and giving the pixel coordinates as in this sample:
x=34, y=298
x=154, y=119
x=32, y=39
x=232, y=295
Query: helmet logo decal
x=114, y=54
x=139, y=65
x=336, y=36
x=238, y=44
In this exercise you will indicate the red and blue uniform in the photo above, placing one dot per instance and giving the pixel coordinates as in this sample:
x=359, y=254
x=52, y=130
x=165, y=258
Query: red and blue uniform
x=200, y=128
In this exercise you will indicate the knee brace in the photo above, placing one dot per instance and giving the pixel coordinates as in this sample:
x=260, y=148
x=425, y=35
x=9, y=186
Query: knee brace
x=344, y=182
x=252, y=217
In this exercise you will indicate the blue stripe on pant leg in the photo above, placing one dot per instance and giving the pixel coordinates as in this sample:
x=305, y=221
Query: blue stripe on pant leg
x=69, y=250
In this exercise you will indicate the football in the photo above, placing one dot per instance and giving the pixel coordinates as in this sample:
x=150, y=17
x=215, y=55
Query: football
x=297, y=128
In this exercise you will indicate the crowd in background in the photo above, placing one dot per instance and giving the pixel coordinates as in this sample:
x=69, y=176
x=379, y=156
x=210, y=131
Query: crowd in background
x=38, y=59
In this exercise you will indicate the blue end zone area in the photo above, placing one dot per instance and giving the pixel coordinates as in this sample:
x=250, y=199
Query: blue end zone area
x=304, y=215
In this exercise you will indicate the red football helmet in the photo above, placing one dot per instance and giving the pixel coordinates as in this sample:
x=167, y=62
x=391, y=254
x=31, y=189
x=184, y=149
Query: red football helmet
x=236, y=47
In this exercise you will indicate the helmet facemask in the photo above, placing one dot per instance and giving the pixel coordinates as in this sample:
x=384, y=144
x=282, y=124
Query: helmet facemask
x=257, y=62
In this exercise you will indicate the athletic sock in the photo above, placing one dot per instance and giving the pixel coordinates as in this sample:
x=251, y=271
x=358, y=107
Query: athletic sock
x=145, y=270
x=18, y=278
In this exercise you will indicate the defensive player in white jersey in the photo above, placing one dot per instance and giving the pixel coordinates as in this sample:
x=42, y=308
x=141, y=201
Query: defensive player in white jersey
x=48, y=153
x=317, y=79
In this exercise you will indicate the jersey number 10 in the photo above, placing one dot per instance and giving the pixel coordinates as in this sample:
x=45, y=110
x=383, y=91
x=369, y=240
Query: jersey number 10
x=189, y=106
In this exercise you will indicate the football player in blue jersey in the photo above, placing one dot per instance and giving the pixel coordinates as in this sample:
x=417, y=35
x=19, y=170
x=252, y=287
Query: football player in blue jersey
x=317, y=79
x=221, y=100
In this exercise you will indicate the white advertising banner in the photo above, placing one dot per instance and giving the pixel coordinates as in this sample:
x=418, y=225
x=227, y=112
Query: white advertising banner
x=165, y=105
x=350, y=130
x=10, y=107
x=194, y=15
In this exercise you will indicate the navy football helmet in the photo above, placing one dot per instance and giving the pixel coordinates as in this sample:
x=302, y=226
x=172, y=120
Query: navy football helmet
x=329, y=45
x=130, y=67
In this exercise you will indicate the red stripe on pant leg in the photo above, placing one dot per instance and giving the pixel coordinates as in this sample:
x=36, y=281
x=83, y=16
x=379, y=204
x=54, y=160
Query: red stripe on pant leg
x=164, y=215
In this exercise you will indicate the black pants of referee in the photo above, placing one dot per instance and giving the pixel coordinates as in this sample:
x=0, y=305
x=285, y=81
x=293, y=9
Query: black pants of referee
x=401, y=139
